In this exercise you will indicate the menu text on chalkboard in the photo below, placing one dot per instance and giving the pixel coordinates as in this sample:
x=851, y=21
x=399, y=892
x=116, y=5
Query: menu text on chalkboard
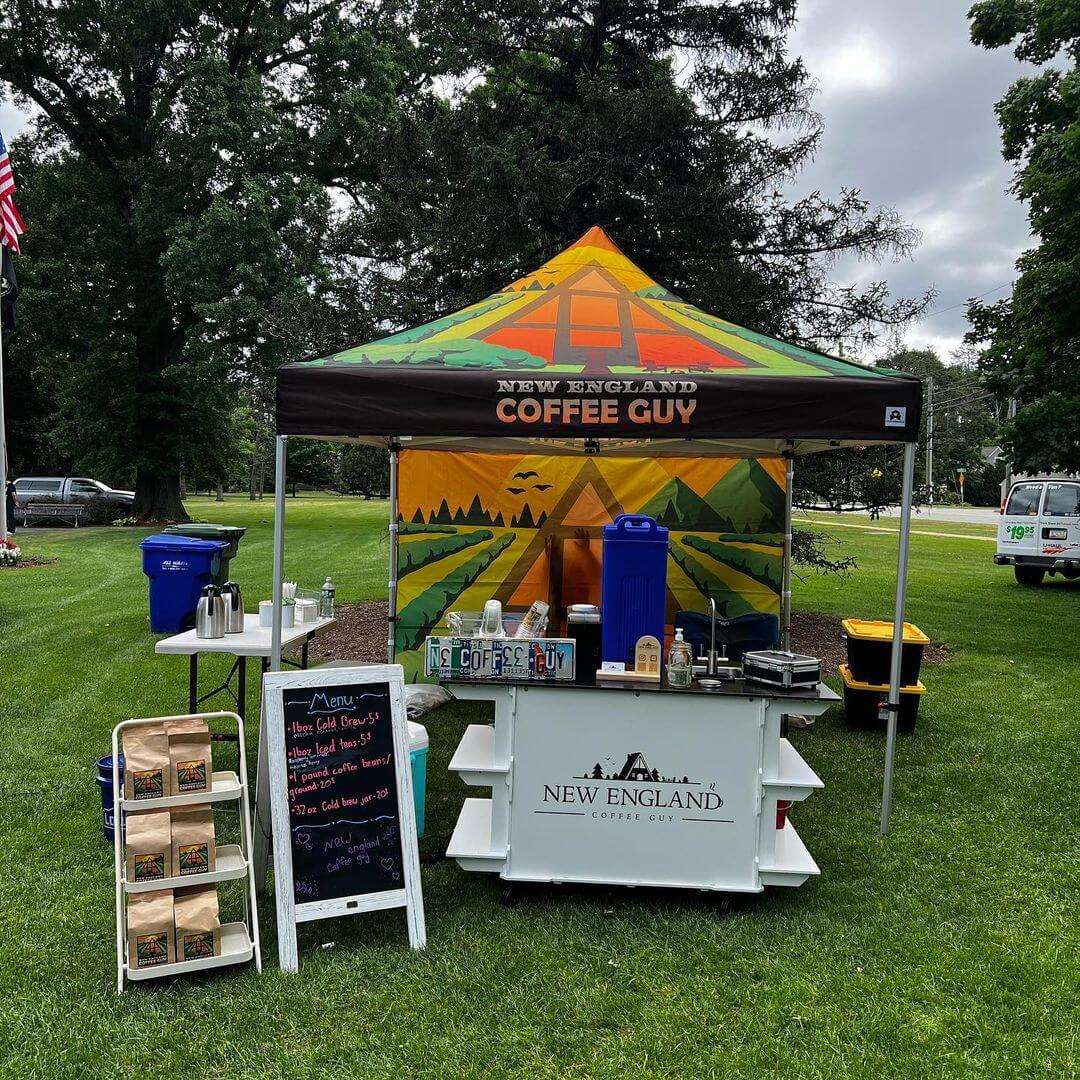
x=342, y=791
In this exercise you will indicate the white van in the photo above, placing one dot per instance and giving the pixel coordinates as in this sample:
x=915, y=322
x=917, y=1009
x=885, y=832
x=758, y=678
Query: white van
x=1040, y=529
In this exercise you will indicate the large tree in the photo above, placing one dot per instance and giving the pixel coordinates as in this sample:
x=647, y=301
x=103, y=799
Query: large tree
x=676, y=126
x=178, y=185
x=1031, y=341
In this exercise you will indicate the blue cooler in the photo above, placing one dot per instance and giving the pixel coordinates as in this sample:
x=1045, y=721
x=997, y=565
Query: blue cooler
x=418, y=748
x=633, y=589
x=178, y=567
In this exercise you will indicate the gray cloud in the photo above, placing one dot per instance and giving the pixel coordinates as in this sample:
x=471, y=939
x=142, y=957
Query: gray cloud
x=908, y=107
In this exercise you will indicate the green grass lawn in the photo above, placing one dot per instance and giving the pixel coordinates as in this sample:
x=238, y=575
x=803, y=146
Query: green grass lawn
x=947, y=949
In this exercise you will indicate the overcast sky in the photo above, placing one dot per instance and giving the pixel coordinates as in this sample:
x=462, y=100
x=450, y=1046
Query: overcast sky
x=908, y=107
x=908, y=102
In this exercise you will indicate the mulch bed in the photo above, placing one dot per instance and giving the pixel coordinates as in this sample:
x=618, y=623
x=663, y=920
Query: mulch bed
x=360, y=634
x=27, y=562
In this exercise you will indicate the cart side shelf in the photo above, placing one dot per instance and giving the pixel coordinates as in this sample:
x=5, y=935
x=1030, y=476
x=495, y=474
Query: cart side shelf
x=229, y=863
x=791, y=863
x=471, y=843
x=236, y=948
x=794, y=779
x=474, y=759
x=226, y=786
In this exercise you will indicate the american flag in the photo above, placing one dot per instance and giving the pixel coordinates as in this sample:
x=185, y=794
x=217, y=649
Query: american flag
x=11, y=224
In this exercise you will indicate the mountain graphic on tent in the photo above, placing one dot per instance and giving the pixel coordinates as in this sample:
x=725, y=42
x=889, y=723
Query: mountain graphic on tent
x=589, y=311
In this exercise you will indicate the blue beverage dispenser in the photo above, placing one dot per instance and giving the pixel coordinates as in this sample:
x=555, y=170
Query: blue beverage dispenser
x=633, y=584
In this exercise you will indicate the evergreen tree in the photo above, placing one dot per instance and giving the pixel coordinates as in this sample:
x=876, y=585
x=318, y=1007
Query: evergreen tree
x=674, y=126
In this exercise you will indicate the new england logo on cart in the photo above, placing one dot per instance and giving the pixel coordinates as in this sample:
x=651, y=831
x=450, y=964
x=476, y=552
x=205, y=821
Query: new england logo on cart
x=635, y=791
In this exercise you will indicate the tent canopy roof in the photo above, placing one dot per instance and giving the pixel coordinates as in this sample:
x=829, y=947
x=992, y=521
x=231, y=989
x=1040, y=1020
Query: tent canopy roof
x=589, y=347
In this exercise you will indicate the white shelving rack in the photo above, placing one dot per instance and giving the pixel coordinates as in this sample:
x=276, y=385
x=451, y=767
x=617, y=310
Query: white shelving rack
x=239, y=940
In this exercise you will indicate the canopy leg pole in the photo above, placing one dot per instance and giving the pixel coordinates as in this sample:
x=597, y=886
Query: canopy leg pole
x=392, y=583
x=261, y=830
x=279, y=548
x=785, y=594
x=893, y=705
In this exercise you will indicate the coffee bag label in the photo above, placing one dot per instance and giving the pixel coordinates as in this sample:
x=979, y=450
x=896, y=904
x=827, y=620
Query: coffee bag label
x=191, y=775
x=150, y=867
x=149, y=784
x=199, y=946
x=194, y=859
x=152, y=949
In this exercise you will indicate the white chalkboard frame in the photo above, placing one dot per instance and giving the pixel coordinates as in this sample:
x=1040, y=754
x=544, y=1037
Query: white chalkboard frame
x=410, y=896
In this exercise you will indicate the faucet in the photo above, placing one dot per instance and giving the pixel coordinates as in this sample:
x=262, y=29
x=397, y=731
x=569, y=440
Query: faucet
x=712, y=635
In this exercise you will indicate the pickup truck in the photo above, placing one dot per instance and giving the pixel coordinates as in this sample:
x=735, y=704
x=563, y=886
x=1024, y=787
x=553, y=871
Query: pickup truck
x=68, y=489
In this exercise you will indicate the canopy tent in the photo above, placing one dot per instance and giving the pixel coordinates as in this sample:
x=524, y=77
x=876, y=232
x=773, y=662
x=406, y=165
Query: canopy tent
x=589, y=346
x=589, y=354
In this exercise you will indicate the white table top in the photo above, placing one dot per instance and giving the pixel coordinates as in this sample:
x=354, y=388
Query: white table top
x=254, y=641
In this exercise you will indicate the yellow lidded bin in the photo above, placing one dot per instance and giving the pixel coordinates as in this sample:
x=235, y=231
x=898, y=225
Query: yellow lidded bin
x=869, y=651
x=862, y=701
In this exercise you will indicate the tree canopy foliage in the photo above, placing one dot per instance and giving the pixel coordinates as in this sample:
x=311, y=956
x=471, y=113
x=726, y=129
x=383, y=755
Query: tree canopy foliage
x=1031, y=341
x=215, y=189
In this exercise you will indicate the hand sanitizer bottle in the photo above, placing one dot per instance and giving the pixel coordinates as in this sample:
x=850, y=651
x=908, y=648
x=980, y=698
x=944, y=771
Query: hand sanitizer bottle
x=680, y=663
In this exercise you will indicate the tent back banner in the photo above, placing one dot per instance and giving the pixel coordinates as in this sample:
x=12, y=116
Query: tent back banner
x=590, y=346
x=519, y=528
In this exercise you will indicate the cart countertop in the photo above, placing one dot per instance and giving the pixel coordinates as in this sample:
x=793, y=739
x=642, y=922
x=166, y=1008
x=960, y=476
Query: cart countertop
x=728, y=688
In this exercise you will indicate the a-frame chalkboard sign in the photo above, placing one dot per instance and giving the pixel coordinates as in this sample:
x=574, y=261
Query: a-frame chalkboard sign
x=341, y=801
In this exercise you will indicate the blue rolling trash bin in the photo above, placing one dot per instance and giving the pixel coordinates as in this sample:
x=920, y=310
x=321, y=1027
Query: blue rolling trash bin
x=633, y=584
x=178, y=568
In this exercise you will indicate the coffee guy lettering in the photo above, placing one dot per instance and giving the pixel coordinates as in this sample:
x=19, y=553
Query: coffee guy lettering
x=596, y=401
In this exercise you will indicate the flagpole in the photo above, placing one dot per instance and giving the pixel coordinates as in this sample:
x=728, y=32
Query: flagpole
x=3, y=440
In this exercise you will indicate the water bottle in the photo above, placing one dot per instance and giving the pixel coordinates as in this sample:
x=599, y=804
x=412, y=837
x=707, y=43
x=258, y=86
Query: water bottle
x=326, y=606
x=680, y=665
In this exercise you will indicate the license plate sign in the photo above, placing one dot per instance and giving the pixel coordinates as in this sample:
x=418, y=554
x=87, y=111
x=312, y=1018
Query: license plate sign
x=518, y=659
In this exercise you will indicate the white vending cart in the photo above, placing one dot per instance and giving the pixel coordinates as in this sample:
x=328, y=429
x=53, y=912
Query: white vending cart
x=635, y=785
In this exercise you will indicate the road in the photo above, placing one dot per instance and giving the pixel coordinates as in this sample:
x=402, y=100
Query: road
x=965, y=515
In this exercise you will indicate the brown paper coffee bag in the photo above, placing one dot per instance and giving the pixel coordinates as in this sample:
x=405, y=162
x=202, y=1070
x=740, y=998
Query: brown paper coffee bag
x=191, y=770
x=150, y=929
x=193, y=847
x=146, y=762
x=198, y=929
x=148, y=842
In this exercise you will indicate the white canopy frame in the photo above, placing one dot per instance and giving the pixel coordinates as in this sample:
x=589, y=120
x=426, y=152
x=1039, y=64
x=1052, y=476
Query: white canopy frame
x=629, y=447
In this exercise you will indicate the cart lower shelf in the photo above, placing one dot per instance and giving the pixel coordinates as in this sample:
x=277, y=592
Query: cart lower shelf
x=236, y=948
x=471, y=842
x=792, y=864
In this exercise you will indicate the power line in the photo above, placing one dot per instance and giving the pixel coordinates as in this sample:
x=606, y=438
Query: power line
x=964, y=303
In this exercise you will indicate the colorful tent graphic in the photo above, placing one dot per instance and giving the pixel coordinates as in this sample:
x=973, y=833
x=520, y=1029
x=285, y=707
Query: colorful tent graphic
x=590, y=345
x=591, y=311
x=518, y=528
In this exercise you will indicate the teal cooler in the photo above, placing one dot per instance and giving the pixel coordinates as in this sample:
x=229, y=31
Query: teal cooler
x=418, y=748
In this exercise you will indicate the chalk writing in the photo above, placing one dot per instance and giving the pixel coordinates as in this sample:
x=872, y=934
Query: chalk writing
x=339, y=750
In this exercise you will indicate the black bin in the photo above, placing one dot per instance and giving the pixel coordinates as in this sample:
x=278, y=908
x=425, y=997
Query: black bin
x=863, y=700
x=869, y=651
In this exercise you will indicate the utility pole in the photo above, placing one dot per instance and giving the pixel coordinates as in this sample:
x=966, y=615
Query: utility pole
x=930, y=439
x=1010, y=414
